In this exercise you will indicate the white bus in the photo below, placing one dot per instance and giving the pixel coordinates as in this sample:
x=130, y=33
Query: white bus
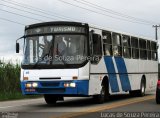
x=65, y=59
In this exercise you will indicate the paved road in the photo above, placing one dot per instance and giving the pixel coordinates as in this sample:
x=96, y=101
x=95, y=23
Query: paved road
x=78, y=107
x=143, y=109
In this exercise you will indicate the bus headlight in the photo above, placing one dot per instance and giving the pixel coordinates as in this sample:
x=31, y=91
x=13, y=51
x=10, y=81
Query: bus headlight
x=34, y=85
x=72, y=85
x=28, y=85
x=66, y=84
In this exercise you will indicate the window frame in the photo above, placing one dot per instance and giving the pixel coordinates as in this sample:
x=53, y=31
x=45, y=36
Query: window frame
x=149, y=54
x=135, y=49
x=104, y=33
x=118, y=46
x=143, y=49
x=128, y=46
x=154, y=51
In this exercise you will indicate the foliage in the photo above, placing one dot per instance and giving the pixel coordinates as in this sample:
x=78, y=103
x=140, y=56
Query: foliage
x=9, y=78
x=10, y=82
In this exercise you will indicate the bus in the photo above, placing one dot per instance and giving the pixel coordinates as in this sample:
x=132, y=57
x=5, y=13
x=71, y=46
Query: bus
x=71, y=59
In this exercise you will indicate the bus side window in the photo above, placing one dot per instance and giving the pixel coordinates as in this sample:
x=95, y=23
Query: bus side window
x=126, y=46
x=97, y=44
x=143, y=50
x=107, y=43
x=117, y=49
x=149, y=50
x=97, y=48
x=135, y=48
x=154, y=50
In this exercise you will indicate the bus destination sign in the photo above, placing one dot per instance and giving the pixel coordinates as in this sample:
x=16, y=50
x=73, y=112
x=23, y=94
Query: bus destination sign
x=55, y=29
x=64, y=29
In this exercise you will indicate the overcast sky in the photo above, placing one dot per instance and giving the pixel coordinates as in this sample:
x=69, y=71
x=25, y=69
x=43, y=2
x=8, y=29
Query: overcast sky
x=58, y=10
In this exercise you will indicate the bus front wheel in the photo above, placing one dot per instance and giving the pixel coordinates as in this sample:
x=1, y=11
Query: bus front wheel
x=103, y=96
x=50, y=99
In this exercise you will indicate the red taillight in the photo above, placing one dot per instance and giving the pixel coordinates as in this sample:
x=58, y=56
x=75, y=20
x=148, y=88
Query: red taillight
x=158, y=84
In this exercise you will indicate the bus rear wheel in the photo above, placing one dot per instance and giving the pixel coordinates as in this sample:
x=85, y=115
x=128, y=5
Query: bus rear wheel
x=50, y=99
x=141, y=92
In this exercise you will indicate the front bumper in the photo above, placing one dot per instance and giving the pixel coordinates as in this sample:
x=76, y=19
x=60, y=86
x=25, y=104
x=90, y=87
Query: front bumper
x=56, y=87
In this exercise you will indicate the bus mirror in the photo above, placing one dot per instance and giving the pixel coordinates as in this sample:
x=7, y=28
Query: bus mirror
x=17, y=47
x=96, y=38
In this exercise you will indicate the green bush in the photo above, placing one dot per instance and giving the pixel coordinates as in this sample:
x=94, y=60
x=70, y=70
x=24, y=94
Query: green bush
x=9, y=81
x=9, y=77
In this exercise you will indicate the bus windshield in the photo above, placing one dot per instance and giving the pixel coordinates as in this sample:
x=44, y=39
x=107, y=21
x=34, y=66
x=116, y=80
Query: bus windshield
x=55, y=49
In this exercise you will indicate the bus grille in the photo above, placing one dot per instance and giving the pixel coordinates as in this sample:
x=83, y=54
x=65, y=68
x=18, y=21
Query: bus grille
x=50, y=78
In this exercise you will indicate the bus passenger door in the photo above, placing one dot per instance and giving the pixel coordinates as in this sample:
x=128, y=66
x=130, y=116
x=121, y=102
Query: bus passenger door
x=96, y=64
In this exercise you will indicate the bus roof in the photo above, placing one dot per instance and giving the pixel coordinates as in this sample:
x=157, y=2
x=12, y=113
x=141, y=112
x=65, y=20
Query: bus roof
x=55, y=23
x=81, y=24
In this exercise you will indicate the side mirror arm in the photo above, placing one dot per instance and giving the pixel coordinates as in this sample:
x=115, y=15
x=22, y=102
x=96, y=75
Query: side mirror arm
x=17, y=44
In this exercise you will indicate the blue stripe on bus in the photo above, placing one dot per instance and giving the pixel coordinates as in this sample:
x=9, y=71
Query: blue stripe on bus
x=122, y=70
x=111, y=73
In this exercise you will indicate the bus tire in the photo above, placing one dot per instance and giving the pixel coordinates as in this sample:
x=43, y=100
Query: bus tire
x=103, y=96
x=50, y=99
x=142, y=90
x=107, y=94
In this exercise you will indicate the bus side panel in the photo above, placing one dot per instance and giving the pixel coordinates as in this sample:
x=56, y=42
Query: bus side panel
x=123, y=73
x=152, y=76
x=149, y=69
x=132, y=66
x=106, y=67
x=96, y=75
x=137, y=68
x=83, y=73
x=95, y=84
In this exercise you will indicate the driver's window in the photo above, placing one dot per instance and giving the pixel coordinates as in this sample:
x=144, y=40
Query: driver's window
x=31, y=50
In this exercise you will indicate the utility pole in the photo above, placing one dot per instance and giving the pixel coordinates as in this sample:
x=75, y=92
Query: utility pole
x=156, y=36
x=156, y=28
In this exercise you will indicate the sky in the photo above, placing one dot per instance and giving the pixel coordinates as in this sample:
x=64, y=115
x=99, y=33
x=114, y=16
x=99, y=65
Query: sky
x=131, y=16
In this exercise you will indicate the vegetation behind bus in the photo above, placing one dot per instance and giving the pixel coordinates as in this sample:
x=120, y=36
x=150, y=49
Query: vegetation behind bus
x=10, y=82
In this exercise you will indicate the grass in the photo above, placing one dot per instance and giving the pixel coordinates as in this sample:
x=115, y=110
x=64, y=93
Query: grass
x=16, y=96
x=10, y=82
